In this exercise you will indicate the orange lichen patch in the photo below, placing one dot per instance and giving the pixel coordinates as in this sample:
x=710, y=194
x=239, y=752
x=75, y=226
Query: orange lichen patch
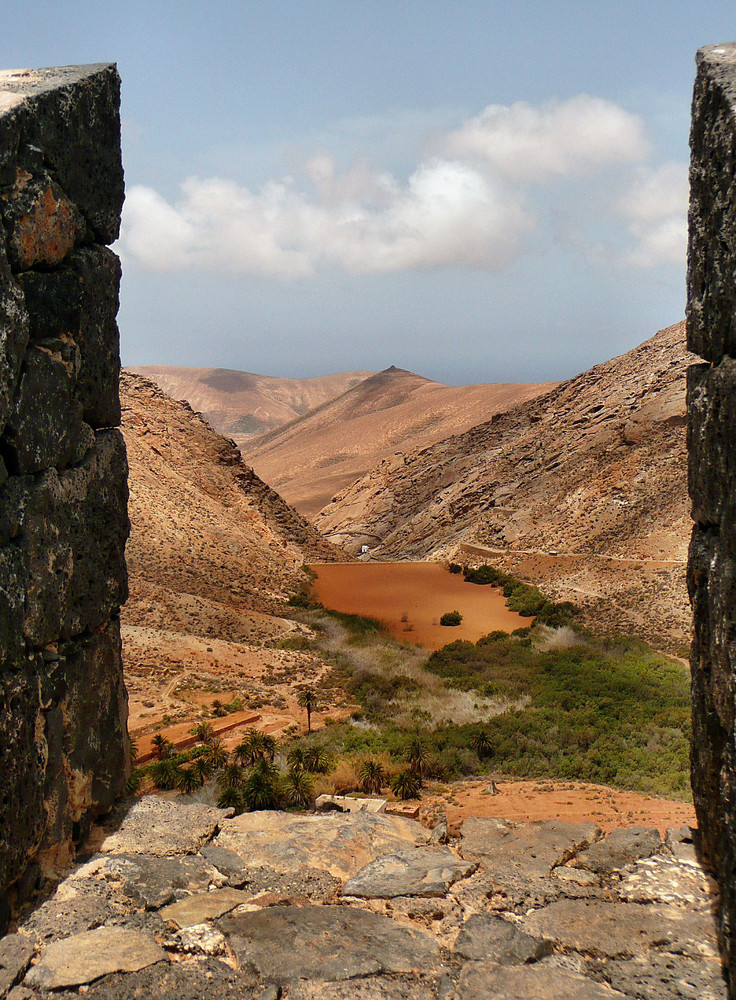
x=49, y=231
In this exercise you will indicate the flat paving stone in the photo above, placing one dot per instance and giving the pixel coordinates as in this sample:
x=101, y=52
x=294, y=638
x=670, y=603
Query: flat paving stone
x=485, y=981
x=664, y=879
x=15, y=956
x=338, y=843
x=203, y=979
x=152, y=881
x=487, y=936
x=668, y=977
x=622, y=930
x=375, y=988
x=531, y=849
x=203, y=906
x=85, y=957
x=620, y=848
x=161, y=828
x=422, y=871
x=286, y=943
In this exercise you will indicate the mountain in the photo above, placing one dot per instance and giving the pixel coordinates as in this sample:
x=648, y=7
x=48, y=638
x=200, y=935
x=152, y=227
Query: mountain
x=315, y=456
x=243, y=405
x=212, y=555
x=582, y=490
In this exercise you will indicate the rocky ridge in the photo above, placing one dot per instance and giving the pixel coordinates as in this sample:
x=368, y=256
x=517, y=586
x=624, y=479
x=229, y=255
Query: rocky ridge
x=582, y=490
x=212, y=556
x=179, y=899
x=314, y=456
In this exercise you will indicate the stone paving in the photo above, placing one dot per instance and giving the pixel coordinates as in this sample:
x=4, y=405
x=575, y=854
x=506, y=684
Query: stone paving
x=181, y=900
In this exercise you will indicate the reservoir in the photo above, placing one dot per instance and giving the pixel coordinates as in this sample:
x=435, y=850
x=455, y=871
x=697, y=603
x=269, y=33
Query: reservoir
x=409, y=598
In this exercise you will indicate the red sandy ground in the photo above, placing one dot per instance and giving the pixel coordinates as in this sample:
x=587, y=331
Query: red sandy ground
x=574, y=801
x=420, y=592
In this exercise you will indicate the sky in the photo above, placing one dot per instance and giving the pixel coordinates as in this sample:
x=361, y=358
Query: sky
x=476, y=191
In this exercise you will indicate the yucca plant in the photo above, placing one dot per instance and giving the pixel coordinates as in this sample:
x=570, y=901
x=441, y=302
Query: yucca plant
x=372, y=776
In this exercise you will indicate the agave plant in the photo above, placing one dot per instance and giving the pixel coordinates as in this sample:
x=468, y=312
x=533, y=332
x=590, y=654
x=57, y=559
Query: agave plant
x=406, y=784
x=372, y=776
x=298, y=789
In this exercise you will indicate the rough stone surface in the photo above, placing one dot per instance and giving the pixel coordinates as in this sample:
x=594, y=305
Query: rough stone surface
x=487, y=936
x=158, y=827
x=484, y=981
x=621, y=847
x=63, y=470
x=15, y=956
x=711, y=331
x=203, y=906
x=364, y=989
x=334, y=942
x=424, y=871
x=151, y=882
x=338, y=843
x=504, y=848
x=666, y=977
x=85, y=957
x=620, y=930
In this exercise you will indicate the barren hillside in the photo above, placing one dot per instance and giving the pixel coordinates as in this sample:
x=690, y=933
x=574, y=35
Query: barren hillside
x=243, y=405
x=583, y=490
x=320, y=453
x=212, y=554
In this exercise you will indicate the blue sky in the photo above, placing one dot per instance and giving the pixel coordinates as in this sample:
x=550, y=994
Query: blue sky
x=477, y=191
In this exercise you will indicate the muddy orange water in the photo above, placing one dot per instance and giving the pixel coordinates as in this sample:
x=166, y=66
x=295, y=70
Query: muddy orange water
x=411, y=597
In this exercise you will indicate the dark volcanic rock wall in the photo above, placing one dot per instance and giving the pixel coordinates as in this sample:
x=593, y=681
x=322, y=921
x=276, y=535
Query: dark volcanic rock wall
x=63, y=470
x=711, y=324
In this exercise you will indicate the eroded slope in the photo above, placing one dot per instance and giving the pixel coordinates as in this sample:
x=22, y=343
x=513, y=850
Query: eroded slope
x=583, y=489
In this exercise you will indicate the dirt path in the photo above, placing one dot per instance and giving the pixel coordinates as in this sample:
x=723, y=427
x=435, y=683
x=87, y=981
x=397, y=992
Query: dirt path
x=482, y=550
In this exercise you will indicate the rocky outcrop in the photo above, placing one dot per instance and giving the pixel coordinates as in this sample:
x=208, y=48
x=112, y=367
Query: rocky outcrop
x=174, y=913
x=63, y=470
x=711, y=325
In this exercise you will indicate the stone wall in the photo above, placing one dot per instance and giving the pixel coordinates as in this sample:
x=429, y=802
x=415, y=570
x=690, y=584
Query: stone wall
x=711, y=321
x=63, y=470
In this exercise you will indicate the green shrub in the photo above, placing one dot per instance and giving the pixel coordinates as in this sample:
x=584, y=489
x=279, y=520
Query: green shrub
x=451, y=618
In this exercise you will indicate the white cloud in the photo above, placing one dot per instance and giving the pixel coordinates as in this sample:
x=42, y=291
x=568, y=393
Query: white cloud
x=446, y=215
x=562, y=138
x=655, y=208
x=472, y=206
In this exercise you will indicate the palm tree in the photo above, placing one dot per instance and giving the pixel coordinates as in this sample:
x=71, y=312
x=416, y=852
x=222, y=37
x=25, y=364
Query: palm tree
x=307, y=698
x=298, y=788
x=232, y=775
x=295, y=759
x=218, y=708
x=417, y=756
x=189, y=779
x=406, y=784
x=164, y=748
x=260, y=788
x=372, y=776
x=317, y=760
x=203, y=767
x=165, y=773
x=255, y=746
x=216, y=755
x=481, y=743
x=231, y=798
x=203, y=731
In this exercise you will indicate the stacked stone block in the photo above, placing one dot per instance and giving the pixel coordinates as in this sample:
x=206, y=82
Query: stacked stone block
x=711, y=322
x=63, y=470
